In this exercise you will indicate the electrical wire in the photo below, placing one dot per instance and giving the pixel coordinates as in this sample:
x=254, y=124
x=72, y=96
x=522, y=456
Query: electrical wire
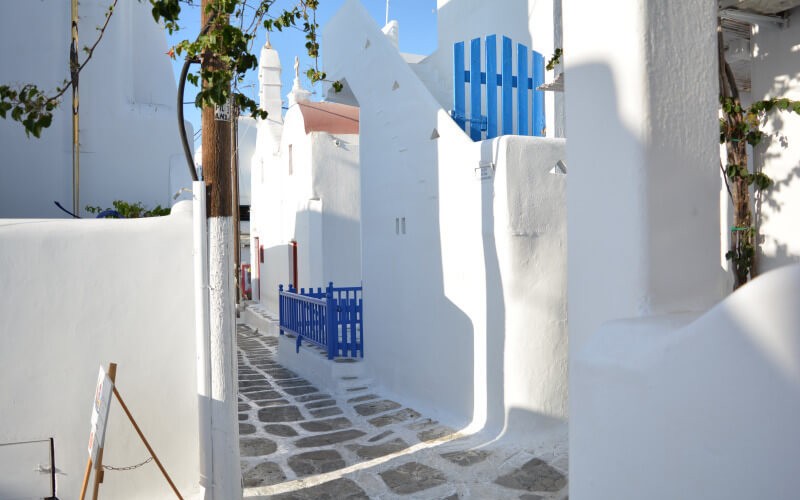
x=181, y=124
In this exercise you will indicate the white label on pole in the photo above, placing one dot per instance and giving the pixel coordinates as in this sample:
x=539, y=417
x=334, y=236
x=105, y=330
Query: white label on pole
x=484, y=171
x=100, y=407
x=223, y=113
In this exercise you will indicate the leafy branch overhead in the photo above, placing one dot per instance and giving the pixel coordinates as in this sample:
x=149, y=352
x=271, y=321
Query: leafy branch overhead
x=229, y=39
x=33, y=107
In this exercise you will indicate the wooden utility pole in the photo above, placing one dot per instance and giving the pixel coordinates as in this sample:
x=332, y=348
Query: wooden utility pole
x=237, y=221
x=226, y=472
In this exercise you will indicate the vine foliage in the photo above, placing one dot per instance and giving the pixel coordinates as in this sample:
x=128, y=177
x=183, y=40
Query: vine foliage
x=741, y=127
x=230, y=42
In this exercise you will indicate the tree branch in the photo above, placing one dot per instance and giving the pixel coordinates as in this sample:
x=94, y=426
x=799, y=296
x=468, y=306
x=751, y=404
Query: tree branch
x=89, y=52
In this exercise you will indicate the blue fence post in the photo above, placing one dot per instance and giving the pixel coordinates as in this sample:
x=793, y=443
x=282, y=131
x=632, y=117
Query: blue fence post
x=538, y=95
x=475, y=89
x=522, y=89
x=459, y=92
x=508, y=83
x=281, y=313
x=331, y=326
x=491, y=86
x=360, y=319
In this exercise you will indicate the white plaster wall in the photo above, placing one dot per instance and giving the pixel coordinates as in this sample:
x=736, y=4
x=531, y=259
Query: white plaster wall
x=531, y=236
x=776, y=73
x=643, y=195
x=669, y=397
x=677, y=407
x=128, y=125
x=337, y=183
x=247, y=137
x=263, y=198
x=80, y=294
x=445, y=321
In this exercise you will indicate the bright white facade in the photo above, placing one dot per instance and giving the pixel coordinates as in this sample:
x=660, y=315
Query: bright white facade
x=464, y=274
x=305, y=212
x=670, y=397
x=130, y=147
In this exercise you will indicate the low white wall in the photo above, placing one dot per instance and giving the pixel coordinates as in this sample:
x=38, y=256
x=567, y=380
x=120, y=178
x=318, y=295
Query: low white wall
x=692, y=409
x=464, y=279
x=127, y=110
x=82, y=293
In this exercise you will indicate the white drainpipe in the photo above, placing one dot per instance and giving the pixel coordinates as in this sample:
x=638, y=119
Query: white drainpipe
x=202, y=334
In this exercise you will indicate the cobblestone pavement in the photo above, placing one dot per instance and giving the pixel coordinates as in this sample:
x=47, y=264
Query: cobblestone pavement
x=297, y=442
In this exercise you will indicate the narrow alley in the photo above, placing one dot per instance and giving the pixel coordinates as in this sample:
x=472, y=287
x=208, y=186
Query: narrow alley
x=297, y=442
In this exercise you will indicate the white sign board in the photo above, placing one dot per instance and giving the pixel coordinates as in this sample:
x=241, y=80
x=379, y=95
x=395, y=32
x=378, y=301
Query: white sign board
x=100, y=407
x=485, y=171
x=223, y=113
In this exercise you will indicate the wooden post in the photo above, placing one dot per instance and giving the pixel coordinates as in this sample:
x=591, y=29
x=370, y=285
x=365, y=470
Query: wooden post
x=226, y=480
x=86, y=474
x=146, y=444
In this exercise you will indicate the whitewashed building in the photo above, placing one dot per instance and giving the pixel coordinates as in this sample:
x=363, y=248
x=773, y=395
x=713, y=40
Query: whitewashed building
x=670, y=376
x=463, y=242
x=305, y=205
x=129, y=142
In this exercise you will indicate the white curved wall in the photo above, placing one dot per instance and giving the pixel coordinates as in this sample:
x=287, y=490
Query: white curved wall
x=692, y=408
x=83, y=293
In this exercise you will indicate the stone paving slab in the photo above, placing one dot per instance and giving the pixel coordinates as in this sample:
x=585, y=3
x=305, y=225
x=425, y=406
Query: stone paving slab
x=297, y=442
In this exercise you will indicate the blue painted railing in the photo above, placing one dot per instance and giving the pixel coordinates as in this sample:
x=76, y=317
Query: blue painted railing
x=329, y=318
x=530, y=119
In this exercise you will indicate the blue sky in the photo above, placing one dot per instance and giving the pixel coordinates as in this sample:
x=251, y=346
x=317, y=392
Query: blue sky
x=417, y=20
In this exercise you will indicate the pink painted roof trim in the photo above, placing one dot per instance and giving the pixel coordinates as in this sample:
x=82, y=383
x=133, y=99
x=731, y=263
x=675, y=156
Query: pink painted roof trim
x=329, y=117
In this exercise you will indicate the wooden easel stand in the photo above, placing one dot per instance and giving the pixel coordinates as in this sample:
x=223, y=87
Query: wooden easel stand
x=98, y=478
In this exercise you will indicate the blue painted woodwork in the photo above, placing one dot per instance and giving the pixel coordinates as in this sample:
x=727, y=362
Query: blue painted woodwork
x=475, y=89
x=329, y=318
x=522, y=90
x=530, y=110
x=538, y=95
x=459, y=95
x=508, y=83
x=491, y=86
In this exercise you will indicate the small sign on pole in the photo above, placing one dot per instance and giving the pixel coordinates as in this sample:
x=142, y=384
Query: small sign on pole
x=102, y=403
x=485, y=171
x=223, y=113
